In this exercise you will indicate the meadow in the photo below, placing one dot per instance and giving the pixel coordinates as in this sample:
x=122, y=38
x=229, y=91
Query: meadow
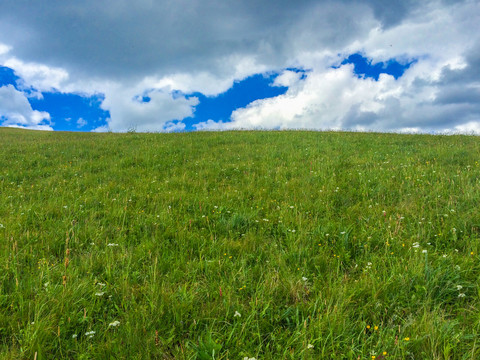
x=239, y=245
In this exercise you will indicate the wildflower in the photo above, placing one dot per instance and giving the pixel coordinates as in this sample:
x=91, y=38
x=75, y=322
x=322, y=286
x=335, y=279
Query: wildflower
x=407, y=339
x=424, y=251
x=384, y=353
x=100, y=284
x=247, y=358
x=457, y=267
x=74, y=336
x=375, y=327
x=90, y=333
x=310, y=346
x=461, y=295
x=368, y=326
x=343, y=232
x=459, y=287
x=304, y=278
x=444, y=255
x=471, y=253
x=99, y=293
x=114, y=324
x=237, y=314
x=416, y=245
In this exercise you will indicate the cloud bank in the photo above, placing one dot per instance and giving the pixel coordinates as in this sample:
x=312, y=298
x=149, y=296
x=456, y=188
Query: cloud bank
x=148, y=57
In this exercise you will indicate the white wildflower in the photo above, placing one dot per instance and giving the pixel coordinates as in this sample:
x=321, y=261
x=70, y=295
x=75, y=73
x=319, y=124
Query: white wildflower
x=461, y=295
x=459, y=287
x=424, y=251
x=310, y=346
x=112, y=244
x=74, y=336
x=99, y=293
x=237, y=314
x=304, y=278
x=100, y=284
x=90, y=334
x=416, y=245
x=114, y=324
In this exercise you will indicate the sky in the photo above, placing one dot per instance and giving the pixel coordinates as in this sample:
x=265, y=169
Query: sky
x=402, y=66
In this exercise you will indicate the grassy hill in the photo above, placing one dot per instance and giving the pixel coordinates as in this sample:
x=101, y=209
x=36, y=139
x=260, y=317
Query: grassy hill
x=234, y=245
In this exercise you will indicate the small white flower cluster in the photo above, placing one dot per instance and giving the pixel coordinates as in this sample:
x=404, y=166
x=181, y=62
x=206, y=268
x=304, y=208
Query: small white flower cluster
x=237, y=314
x=114, y=324
x=461, y=295
x=112, y=244
x=247, y=358
x=90, y=334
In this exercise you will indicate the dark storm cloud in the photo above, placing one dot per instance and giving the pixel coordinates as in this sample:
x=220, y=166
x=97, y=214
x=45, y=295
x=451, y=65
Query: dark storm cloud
x=118, y=38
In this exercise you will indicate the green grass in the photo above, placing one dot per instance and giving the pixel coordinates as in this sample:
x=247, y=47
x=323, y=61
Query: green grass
x=311, y=237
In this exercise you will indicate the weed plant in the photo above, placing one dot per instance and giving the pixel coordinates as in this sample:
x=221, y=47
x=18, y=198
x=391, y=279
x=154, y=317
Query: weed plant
x=239, y=245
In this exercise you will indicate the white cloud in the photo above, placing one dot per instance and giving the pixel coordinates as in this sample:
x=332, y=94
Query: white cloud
x=41, y=77
x=4, y=49
x=211, y=125
x=129, y=112
x=81, y=123
x=287, y=78
x=472, y=127
x=101, y=129
x=15, y=111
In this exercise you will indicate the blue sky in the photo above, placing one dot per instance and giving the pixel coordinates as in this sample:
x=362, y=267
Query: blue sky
x=212, y=64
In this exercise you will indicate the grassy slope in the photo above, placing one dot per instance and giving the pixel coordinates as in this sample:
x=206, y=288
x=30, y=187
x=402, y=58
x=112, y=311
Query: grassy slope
x=184, y=230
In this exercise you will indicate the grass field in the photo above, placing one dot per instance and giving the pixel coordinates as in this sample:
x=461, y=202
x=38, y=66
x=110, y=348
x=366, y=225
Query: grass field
x=239, y=245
